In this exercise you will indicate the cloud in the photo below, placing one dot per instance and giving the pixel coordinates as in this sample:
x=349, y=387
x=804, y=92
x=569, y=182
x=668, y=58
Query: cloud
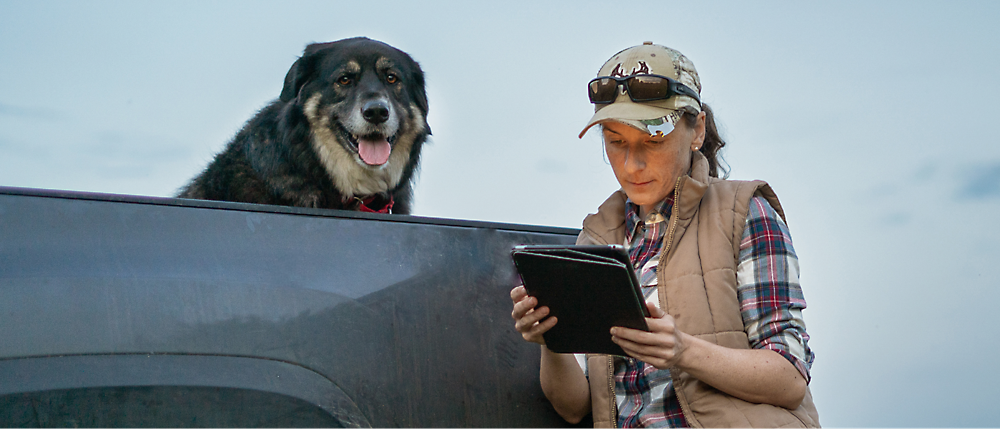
x=982, y=182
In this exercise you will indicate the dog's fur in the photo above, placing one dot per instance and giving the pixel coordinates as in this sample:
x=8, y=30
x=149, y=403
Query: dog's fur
x=303, y=148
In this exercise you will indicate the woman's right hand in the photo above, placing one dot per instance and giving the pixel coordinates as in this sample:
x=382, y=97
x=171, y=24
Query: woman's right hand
x=560, y=375
x=531, y=322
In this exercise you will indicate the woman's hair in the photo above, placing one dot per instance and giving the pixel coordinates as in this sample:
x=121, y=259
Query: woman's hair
x=713, y=142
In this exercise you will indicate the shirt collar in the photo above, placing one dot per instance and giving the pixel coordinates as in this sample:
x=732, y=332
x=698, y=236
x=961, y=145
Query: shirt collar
x=660, y=213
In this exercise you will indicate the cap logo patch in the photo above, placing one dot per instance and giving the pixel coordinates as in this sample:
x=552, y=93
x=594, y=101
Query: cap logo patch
x=642, y=69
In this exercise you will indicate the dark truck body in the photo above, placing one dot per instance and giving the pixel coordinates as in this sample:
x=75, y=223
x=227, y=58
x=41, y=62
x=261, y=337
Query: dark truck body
x=137, y=311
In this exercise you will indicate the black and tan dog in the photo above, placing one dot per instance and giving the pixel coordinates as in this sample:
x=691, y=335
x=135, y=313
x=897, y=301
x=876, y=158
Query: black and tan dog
x=345, y=133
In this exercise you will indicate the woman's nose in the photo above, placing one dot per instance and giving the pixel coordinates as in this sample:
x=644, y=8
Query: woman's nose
x=634, y=160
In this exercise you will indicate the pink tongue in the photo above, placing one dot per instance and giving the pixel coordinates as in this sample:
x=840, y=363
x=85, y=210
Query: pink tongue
x=374, y=152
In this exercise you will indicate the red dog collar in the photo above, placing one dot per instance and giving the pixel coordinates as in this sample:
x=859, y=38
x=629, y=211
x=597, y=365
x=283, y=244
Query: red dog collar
x=375, y=204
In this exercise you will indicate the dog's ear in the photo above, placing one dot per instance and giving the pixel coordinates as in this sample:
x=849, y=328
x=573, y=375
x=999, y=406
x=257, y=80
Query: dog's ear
x=297, y=76
x=417, y=91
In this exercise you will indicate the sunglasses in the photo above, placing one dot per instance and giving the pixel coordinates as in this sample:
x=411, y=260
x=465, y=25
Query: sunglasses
x=640, y=88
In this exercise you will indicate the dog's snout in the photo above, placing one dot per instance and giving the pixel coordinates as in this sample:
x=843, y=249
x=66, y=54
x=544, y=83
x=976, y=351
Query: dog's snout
x=375, y=111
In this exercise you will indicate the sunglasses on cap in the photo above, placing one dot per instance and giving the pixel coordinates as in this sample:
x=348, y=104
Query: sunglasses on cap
x=640, y=88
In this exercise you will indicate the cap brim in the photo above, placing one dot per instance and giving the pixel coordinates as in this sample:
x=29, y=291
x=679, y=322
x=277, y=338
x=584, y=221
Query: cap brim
x=625, y=110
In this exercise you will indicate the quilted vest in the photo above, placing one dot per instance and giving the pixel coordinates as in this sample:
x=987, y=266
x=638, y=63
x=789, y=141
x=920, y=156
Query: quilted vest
x=697, y=286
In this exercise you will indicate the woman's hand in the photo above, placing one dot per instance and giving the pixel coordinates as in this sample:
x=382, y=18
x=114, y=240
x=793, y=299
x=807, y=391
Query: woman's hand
x=560, y=375
x=528, y=320
x=661, y=347
x=756, y=375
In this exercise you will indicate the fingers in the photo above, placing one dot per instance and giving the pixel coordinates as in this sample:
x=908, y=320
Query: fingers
x=535, y=332
x=663, y=325
x=643, y=339
x=660, y=354
x=535, y=323
x=661, y=346
x=522, y=302
x=655, y=311
x=523, y=306
x=527, y=320
x=659, y=362
x=518, y=293
x=531, y=322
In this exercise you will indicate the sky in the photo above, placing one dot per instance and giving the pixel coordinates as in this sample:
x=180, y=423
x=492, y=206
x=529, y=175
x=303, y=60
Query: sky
x=871, y=120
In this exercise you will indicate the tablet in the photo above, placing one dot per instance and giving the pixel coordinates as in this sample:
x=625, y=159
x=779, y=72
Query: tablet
x=589, y=288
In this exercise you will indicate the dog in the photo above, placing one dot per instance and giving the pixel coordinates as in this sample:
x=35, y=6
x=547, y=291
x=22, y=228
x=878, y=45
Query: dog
x=345, y=133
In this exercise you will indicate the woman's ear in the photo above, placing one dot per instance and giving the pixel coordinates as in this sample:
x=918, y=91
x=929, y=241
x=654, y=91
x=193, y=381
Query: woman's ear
x=699, y=133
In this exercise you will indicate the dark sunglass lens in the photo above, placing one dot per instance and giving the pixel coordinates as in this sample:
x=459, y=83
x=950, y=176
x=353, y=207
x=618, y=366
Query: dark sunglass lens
x=603, y=90
x=647, y=88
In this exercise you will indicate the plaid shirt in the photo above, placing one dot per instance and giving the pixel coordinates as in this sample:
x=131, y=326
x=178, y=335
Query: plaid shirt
x=771, y=306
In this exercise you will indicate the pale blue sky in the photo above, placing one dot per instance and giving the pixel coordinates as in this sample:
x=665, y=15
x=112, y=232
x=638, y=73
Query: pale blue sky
x=873, y=123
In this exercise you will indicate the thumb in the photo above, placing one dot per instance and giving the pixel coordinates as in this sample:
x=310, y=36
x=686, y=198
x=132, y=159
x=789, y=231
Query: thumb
x=654, y=311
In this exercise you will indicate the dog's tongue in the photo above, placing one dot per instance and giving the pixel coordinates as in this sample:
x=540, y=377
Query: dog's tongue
x=374, y=152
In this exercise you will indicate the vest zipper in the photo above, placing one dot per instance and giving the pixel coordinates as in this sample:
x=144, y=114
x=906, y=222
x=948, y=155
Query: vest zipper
x=673, y=226
x=674, y=216
x=611, y=387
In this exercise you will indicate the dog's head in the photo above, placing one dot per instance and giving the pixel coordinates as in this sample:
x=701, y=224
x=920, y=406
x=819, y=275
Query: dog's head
x=367, y=108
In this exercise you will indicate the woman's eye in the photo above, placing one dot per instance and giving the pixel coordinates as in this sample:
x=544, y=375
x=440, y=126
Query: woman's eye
x=391, y=78
x=344, y=80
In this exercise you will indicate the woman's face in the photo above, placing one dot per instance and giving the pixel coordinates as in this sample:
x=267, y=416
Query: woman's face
x=647, y=167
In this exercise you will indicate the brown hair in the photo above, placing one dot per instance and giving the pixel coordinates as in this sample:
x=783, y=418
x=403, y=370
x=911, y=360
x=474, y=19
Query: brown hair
x=713, y=141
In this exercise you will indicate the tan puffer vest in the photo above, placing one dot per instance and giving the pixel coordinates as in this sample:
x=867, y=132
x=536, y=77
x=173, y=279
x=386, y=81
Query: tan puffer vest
x=697, y=278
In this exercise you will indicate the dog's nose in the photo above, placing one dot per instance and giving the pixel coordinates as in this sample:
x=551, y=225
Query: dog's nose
x=375, y=111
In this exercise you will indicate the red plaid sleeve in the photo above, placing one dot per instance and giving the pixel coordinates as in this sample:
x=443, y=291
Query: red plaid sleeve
x=771, y=300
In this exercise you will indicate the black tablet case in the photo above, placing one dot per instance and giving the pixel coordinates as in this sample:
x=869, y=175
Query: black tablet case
x=588, y=288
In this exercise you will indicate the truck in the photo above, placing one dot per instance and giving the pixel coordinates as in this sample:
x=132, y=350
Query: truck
x=122, y=310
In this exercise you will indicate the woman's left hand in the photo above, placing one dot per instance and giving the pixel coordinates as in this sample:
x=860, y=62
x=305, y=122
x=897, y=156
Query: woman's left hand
x=760, y=376
x=661, y=347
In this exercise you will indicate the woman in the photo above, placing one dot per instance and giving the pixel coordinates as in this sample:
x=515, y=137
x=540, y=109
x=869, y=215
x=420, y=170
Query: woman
x=727, y=345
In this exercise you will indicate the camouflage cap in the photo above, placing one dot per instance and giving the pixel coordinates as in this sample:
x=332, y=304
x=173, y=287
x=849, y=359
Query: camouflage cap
x=648, y=58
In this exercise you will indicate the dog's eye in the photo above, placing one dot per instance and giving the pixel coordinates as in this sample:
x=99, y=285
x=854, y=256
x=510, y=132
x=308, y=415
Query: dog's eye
x=391, y=78
x=344, y=80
